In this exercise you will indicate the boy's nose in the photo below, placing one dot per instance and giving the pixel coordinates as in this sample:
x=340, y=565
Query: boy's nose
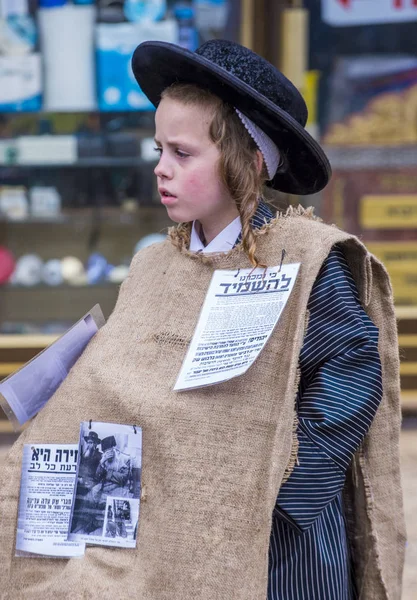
x=163, y=169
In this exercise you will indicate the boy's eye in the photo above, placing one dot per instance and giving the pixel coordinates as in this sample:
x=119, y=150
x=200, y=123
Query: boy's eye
x=158, y=150
x=181, y=154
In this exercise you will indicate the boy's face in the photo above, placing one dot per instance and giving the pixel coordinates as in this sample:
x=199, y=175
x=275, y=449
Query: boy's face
x=187, y=172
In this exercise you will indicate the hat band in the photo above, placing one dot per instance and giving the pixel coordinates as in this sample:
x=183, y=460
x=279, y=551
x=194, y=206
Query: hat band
x=267, y=147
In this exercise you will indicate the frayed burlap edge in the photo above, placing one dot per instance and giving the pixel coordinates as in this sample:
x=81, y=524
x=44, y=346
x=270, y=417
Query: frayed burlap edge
x=295, y=443
x=212, y=257
x=361, y=463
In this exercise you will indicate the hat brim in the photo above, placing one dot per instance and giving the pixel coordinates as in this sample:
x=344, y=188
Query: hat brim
x=157, y=65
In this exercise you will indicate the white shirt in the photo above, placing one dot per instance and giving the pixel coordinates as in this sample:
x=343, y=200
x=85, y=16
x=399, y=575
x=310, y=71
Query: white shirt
x=223, y=242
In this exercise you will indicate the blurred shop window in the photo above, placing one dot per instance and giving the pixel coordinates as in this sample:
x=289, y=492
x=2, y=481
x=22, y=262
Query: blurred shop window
x=328, y=43
x=367, y=114
x=78, y=194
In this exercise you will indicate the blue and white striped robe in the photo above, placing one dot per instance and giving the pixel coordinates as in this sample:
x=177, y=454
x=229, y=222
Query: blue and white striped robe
x=339, y=393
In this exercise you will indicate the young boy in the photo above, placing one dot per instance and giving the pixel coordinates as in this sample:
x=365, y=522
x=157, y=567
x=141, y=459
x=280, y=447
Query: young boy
x=270, y=485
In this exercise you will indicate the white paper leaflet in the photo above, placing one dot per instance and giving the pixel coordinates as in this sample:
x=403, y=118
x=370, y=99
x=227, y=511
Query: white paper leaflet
x=46, y=492
x=239, y=313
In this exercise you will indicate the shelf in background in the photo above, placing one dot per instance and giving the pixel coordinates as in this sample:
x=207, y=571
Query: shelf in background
x=345, y=158
x=43, y=304
x=406, y=312
x=409, y=400
x=6, y=427
x=26, y=341
x=105, y=214
x=7, y=368
x=99, y=162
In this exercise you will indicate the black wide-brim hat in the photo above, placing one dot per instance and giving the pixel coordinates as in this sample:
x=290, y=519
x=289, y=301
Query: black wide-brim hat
x=108, y=442
x=92, y=435
x=254, y=86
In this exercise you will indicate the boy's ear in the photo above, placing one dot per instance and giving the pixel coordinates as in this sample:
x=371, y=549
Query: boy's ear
x=259, y=161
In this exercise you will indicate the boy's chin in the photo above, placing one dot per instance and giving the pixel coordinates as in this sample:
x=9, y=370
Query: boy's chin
x=175, y=220
x=177, y=216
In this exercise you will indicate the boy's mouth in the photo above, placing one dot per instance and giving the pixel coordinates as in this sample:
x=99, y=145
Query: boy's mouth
x=165, y=194
x=166, y=198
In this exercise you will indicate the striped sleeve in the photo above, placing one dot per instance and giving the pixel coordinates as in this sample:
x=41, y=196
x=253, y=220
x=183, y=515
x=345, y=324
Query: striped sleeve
x=340, y=391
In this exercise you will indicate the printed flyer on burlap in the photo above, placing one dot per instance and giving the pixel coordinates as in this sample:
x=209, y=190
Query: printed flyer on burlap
x=25, y=392
x=239, y=313
x=46, y=492
x=105, y=508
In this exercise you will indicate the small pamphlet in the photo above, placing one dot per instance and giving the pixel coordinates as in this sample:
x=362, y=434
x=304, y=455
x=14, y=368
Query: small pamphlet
x=46, y=493
x=239, y=313
x=105, y=510
x=25, y=392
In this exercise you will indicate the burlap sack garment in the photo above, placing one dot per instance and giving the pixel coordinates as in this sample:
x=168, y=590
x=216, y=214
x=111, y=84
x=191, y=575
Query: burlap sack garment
x=213, y=459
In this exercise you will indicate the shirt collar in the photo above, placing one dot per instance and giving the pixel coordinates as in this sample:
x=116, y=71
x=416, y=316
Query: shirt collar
x=223, y=242
x=230, y=235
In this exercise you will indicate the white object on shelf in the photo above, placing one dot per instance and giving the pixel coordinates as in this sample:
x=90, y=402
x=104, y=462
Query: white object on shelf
x=46, y=149
x=52, y=272
x=67, y=42
x=80, y=280
x=13, y=202
x=20, y=83
x=73, y=271
x=28, y=270
x=44, y=201
x=118, y=274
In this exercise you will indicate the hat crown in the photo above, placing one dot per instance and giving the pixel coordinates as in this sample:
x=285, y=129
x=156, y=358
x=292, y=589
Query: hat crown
x=108, y=442
x=258, y=73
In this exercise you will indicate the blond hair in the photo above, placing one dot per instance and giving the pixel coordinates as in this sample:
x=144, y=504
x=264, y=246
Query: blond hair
x=237, y=165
